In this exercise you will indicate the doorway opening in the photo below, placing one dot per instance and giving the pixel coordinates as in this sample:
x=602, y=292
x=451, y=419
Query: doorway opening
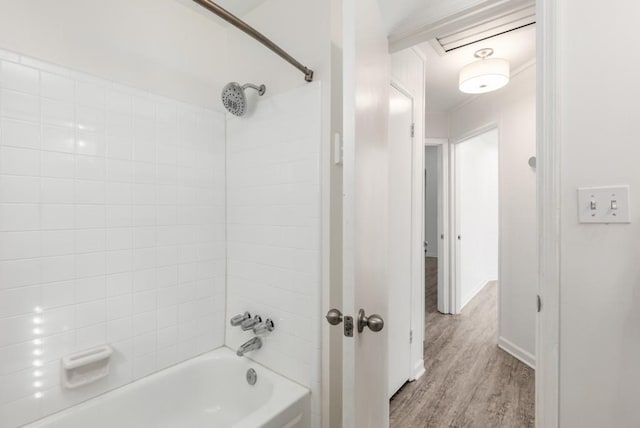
x=479, y=244
x=432, y=223
x=476, y=206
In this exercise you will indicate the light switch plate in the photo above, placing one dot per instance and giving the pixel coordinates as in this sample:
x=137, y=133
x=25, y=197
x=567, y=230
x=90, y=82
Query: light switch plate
x=608, y=204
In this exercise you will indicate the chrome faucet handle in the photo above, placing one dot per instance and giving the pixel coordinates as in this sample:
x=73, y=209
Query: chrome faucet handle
x=239, y=319
x=265, y=327
x=250, y=323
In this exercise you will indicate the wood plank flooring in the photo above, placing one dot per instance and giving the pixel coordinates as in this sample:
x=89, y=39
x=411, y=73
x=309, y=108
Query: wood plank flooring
x=469, y=381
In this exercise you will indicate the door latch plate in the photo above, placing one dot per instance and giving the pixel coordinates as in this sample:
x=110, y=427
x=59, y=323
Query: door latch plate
x=348, y=326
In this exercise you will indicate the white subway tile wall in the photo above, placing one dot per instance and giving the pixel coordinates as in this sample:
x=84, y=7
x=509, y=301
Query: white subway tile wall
x=273, y=232
x=112, y=230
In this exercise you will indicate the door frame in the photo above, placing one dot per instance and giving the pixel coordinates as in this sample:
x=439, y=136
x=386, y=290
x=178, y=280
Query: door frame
x=416, y=293
x=548, y=190
x=548, y=170
x=415, y=87
x=444, y=231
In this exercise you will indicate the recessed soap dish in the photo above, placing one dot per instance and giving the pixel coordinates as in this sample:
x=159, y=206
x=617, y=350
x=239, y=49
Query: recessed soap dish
x=84, y=367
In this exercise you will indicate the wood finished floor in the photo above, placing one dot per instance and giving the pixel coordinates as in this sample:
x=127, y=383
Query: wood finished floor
x=469, y=381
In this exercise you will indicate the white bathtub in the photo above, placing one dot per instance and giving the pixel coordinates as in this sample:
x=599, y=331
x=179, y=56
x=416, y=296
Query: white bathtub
x=208, y=391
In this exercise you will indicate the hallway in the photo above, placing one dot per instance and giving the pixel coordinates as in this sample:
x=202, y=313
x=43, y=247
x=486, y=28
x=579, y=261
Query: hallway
x=469, y=381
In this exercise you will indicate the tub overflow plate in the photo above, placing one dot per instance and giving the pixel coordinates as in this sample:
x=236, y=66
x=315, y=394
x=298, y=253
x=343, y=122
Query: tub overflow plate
x=252, y=377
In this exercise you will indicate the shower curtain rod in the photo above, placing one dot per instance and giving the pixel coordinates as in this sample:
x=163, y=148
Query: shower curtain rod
x=237, y=22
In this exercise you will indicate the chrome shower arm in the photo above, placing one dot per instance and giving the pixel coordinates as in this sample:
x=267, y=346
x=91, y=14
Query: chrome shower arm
x=261, y=89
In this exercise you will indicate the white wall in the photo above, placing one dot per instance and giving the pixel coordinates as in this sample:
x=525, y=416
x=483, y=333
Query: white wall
x=599, y=289
x=436, y=124
x=476, y=193
x=431, y=200
x=407, y=68
x=156, y=45
x=273, y=234
x=307, y=37
x=111, y=231
x=512, y=109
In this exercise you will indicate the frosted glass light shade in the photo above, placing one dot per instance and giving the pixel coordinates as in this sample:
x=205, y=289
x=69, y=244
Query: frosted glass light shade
x=483, y=76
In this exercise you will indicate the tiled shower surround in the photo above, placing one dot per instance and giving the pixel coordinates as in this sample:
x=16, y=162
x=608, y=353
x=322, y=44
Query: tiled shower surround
x=273, y=232
x=112, y=230
x=144, y=223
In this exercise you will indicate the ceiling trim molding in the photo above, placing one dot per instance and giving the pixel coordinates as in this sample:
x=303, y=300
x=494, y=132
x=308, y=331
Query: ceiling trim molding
x=523, y=67
x=419, y=53
x=451, y=23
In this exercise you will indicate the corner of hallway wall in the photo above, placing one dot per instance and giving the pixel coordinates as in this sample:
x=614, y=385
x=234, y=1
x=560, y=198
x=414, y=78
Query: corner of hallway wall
x=522, y=355
x=513, y=110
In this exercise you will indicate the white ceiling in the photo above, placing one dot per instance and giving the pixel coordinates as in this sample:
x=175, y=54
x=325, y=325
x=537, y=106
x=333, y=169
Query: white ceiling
x=518, y=47
x=394, y=12
x=400, y=16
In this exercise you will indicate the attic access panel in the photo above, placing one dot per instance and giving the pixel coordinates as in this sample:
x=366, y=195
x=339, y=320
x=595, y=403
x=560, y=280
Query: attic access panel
x=486, y=29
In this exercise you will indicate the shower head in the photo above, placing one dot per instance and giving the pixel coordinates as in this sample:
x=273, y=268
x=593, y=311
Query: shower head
x=234, y=99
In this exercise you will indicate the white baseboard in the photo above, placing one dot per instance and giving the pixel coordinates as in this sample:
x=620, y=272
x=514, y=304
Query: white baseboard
x=418, y=371
x=478, y=288
x=517, y=352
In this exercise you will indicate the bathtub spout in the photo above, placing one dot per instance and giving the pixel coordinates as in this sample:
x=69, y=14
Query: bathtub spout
x=249, y=345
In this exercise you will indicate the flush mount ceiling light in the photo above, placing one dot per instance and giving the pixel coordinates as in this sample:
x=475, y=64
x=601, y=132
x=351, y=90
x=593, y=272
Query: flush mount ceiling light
x=485, y=75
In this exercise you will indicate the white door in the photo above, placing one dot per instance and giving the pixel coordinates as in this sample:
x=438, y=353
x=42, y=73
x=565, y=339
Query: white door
x=476, y=190
x=366, y=79
x=400, y=171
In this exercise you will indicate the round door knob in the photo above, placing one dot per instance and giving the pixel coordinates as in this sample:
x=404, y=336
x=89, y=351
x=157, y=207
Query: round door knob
x=374, y=322
x=334, y=317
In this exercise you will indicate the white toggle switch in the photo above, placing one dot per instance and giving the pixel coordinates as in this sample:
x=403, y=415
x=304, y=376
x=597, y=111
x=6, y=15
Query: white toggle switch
x=603, y=204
